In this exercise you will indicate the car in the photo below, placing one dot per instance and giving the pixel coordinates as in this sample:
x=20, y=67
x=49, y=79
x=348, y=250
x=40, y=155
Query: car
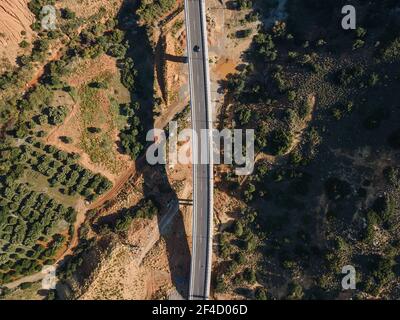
x=185, y=60
x=196, y=48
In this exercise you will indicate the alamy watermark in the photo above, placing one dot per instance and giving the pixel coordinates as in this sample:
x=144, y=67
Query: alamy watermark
x=49, y=17
x=349, y=280
x=189, y=147
x=49, y=281
x=349, y=21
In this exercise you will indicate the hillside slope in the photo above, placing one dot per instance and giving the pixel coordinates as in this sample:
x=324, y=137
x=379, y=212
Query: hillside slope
x=15, y=18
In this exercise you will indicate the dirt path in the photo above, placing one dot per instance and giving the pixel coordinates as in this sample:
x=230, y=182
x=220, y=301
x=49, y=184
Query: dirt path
x=32, y=278
x=114, y=190
x=160, y=123
x=80, y=219
x=55, y=56
x=154, y=231
x=144, y=266
x=54, y=130
x=160, y=227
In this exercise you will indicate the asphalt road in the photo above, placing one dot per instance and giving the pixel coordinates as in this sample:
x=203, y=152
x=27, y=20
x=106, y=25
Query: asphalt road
x=202, y=170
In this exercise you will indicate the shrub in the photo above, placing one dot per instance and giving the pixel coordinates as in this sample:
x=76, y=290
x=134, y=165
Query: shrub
x=149, y=11
x=98, y=85
x=147, y=210
x=220, y=285
x=250, y=276
x=248, y=193
x=280, y=141
x=383, y=273
x=94, y=130
x=244, y=4
x=66, y=140
x=56, y=115
x=295, y=291
x=243, y=33
x=261, y=293
x=240, y=258
x=373, y=80
x=24, y=44
x=238, y=229
x=67, y=14
x=291, y=95
x=25, y=285
x=361, y=32
x=358, y=44
x=392, y=51
x=123, y=223
x=244, y=116
x=118, y=51
x=349, y=75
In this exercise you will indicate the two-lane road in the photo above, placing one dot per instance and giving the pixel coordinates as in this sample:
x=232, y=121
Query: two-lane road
x=200, y=272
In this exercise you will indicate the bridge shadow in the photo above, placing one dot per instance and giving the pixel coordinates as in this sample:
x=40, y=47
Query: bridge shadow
x=177, y=59
x=161, y=57
x=156, y=184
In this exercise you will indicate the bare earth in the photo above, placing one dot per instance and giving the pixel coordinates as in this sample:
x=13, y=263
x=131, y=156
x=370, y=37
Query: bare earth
x=146, y=264
x=141, y=268
x=15, y=17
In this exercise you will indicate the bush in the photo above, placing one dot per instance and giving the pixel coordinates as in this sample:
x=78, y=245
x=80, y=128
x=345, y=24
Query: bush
x=280, y=141
x=265, y=47
x=244, y=116
x=117, y=51
x=383, y=273
x=147, y=210
x=149, y=11
x=67, y=14
x=292, y=95
x=25, y=285
x=220, y=286
x=240, y=258
x=56, y=115
x=244, y=4
x=24, y=44
x=98, y=85
x=66, y=140
x=51, y=295
x=123, y=223
x=94, y=130
x=261, y=293
x=241, y=34
x=358, y=44
x=130, y=142
x=250, y=244
x=249, y=192
x=392, y=51
x=238, y=229
x=250, y=276
x=350, y=75
x=295, y=291
x=373, y=79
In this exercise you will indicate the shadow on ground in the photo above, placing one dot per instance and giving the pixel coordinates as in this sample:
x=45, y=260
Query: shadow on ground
x=156, y=184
